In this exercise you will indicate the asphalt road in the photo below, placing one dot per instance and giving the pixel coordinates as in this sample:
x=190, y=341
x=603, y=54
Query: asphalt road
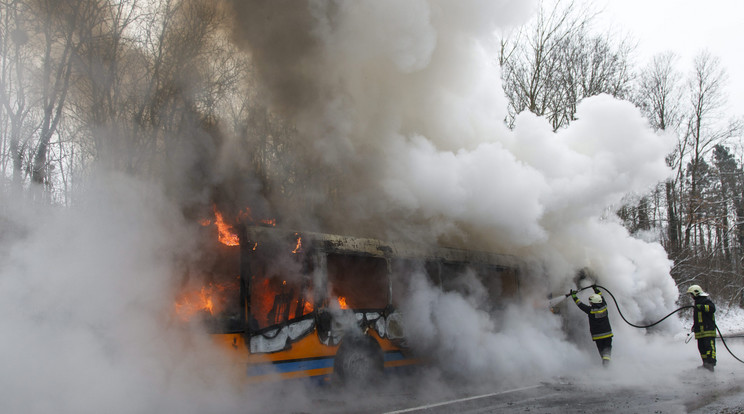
x=683, y=390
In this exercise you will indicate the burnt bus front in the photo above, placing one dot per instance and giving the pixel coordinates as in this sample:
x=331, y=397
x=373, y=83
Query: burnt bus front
x=318, y=306
x=313, y=305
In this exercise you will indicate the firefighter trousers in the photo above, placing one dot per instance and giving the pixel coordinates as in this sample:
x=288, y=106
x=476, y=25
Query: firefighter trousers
x=604, y=346
x=707, y=348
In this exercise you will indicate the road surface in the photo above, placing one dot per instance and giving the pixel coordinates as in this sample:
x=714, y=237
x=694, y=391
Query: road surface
x=681, y=388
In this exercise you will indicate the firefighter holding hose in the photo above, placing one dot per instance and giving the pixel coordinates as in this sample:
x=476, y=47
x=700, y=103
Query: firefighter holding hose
x=704, y=326
x=599, y=322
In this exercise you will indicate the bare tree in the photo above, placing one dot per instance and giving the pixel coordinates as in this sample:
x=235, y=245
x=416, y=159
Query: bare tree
x=659, y=96
x=104, y=69
x=15, y=95
x=554, y=62
x=532, y=60
x=703, y=132
x=589, y=65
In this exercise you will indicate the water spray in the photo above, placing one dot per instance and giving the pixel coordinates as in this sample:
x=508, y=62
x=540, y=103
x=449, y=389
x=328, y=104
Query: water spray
x=553, y=302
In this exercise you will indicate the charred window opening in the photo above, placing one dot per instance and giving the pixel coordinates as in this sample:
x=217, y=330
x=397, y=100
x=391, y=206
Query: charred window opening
x=403, y=271
x=509, y=282
x=458, y=277
x=280, y=284
x=434, y=272
x=501, y=285
x=501, y=282
x=210, y=292
x=358, y=282
x=490, y=286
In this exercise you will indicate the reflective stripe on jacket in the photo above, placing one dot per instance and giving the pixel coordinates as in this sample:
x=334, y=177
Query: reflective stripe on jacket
x=704, y=318
x=599, y=323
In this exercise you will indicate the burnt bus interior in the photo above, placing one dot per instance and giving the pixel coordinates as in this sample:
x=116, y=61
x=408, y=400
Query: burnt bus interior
x=275, y=278
x=210, y=291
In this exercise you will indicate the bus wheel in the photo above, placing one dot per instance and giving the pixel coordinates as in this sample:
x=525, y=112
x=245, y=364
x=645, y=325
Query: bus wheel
x=359, y=360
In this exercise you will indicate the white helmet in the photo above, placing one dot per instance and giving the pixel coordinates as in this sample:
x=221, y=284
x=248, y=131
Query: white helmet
x=595, y=298
x=696, y=291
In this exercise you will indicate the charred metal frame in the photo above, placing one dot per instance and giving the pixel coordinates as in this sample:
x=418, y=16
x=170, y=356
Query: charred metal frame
x=245, y=279
x=319, y=245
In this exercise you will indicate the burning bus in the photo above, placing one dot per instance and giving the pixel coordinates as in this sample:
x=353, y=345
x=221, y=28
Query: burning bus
x=288, y=304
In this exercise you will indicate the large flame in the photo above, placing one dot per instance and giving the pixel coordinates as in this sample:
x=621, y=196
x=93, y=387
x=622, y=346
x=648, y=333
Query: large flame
x=227, y=235
x=226, y=232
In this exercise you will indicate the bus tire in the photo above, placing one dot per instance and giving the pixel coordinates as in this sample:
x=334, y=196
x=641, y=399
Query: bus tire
x=359, y=360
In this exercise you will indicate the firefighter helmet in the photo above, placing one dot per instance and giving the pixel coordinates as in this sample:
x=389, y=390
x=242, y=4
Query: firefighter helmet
x=696, y=290
x=595, y=298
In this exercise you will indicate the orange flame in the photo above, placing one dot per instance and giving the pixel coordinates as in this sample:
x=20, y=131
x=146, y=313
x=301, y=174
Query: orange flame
x=342, y=302
x=191, y=303
x=226, y=234
x=247, y=216
x=299, y=244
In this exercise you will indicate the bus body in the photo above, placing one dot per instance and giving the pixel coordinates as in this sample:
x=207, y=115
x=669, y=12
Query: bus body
x=309, y=305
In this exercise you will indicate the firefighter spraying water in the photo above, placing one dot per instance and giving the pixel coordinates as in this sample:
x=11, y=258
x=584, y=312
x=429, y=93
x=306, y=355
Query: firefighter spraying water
x=704, y=325
x=599, y=322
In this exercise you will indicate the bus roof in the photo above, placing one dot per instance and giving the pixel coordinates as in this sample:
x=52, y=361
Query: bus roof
x=332, y=243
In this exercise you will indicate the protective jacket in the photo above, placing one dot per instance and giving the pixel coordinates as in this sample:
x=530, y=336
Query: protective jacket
x=704, y=319
x=599, y=323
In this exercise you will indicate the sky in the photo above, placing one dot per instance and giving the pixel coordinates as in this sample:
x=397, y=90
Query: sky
x=684, y=27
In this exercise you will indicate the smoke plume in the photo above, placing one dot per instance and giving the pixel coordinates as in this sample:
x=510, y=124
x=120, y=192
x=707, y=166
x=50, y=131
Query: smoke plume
x=398, y=109
x=401, y=108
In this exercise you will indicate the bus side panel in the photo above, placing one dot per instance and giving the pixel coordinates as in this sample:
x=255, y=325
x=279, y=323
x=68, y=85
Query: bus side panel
x=307, y=357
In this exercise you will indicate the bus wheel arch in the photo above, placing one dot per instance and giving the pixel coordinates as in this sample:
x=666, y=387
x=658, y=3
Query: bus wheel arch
x=359, y=360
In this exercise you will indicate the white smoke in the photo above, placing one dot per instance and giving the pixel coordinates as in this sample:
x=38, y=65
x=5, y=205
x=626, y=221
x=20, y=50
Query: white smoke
x=87, y=304
x=411, y=103
x=518, y=344
x=414, y=101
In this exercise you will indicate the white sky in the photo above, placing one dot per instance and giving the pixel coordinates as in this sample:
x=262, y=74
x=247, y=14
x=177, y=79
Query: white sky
x=685, y=27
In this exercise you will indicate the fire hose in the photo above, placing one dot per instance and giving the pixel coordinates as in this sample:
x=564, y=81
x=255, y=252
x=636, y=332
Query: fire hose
x=720, y=335
x=640, y=326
